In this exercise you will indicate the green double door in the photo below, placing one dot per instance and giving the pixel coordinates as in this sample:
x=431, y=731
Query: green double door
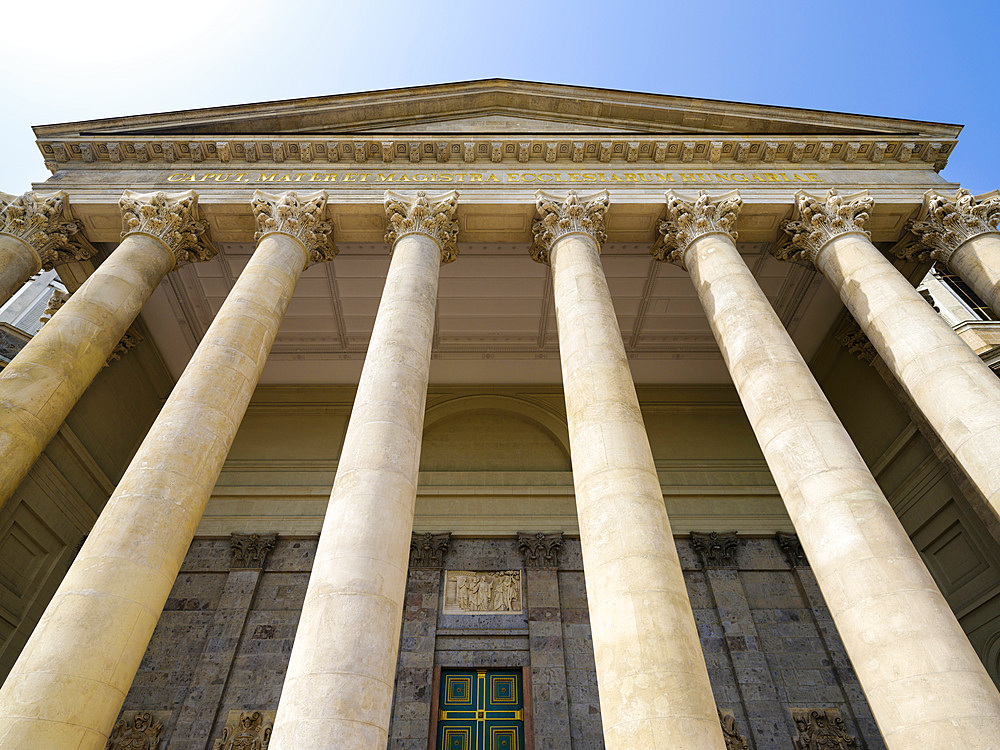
x=481, y=709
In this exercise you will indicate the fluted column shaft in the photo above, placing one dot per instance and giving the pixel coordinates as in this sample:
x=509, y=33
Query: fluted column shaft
x=977, y=262
x=957, y=393
x=18, y=263
x=924, y=682
x=654, y=686
x=68, y=685
x=338, y=688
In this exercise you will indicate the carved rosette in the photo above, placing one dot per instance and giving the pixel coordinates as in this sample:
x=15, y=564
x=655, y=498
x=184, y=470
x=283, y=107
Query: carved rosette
x=249, y=551
x=140, y=732
x=172, y=219
x=540, y=550
x=298, y=217
x=734, y=740
x=433, y=216
x=946, y=223
x=818, y=221
x=821, y=729
x=428, y=550
x=791, y=547
x=569, y=215
x=44, y=223
x=716, y=550
x=688, y=220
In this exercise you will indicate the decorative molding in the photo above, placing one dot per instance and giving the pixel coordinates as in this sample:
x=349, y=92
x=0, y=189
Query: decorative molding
x=944, y=224
x=818, y=221
x=540, y=550
x=791, y=547
x=136, y=730
x=249, y=551
x=301, y=218
x=246, y=730
x=856, y=341
x=821, y=729
x=419, y=213
x=716, y=550
x=561, y=216
x=170, y=218
x=731, y=733
x=428, y=550
x=480, y=592
x=687, y=220
x=43, y=222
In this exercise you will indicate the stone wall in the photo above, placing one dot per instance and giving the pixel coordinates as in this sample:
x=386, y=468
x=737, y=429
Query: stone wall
x=221, y=647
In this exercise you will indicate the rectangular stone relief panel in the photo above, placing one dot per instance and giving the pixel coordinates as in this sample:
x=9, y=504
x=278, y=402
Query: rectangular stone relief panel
x=472, y=592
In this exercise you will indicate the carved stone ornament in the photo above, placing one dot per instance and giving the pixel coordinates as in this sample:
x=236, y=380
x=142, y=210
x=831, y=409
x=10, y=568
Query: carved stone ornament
x=172, y=219
x=301, y=218
x=540, y=550
x=138, y=730
x=433, y=216
x=246, y=730
x=852, y=338
x=476, y=592
x=56, y=301
x=44, y=223
x=734, y=740
x=716, y=550
x=250, y=550
x=428, y=550
x=946, y=223
x=570, y=215
x=821, y=729
x=818, y=221
x=791, y=547
x=688, y=220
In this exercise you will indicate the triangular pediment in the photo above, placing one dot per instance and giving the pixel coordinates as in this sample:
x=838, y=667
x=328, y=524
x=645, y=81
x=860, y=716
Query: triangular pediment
x=497, y=106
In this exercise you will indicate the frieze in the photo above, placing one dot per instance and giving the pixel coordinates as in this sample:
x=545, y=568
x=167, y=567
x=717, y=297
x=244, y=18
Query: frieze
x=478, y=592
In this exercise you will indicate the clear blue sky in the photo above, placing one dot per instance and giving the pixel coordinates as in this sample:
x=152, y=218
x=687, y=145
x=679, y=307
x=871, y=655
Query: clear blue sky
x=924, y=60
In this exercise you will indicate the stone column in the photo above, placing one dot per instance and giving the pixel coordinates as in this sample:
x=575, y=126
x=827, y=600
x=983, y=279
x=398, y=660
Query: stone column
x=338, y=687
x=204, y=694
x=47, y=377
x=36, y=231
x=653, y=682
x=960, y=233
x=925, y=683
x=957, y=393
x=549, y=696
x=68, y=685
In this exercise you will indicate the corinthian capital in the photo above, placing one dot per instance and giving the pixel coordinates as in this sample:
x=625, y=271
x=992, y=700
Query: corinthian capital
x=688, y=220
x=433, y=216
x=569, y=215
x=817, y=222
x=172, y=219
x=944, y=224
x=301, y=218
x=44, y=223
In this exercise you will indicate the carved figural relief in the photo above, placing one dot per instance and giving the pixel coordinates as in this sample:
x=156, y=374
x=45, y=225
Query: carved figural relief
x=301, y=218
x=819, y=221
x=138, y=730
x=433, y=216
x=821, y=729
x=569, y=215
x=44, y=223
x=470, y=592
x=731, y=733
x=172, y=219
x=686, y=221
x=428, y=550
x=246, y=730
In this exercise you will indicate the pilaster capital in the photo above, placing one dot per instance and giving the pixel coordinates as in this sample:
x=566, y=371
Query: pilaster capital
x=540, y=550
x=791, y=547
x=428, y=550
x=817, y=221
x=420, y=213
x=945, y=224
x=856, y=341
x=731, y=732
x=44, y=223
x=302, y=218
x=688, y=220
x=571, y=214
x=249, y=551
x=172, y=219
x=717, y=550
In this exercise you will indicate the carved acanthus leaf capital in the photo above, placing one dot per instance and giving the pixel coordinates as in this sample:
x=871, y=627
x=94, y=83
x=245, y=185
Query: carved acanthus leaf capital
x=731, y=732
x=140, y=731
x=44, y=223
x=945, y=224
x=818, y=221
x=571, y=214
x=170, y=218
x=856, y=341
x=688, y=220
x=433, y=216
x=249, y=551
x=540, y=550
x=821, y=729
x=791, y=547
x=716, y=550
x=428, y=550
x=300, y=217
